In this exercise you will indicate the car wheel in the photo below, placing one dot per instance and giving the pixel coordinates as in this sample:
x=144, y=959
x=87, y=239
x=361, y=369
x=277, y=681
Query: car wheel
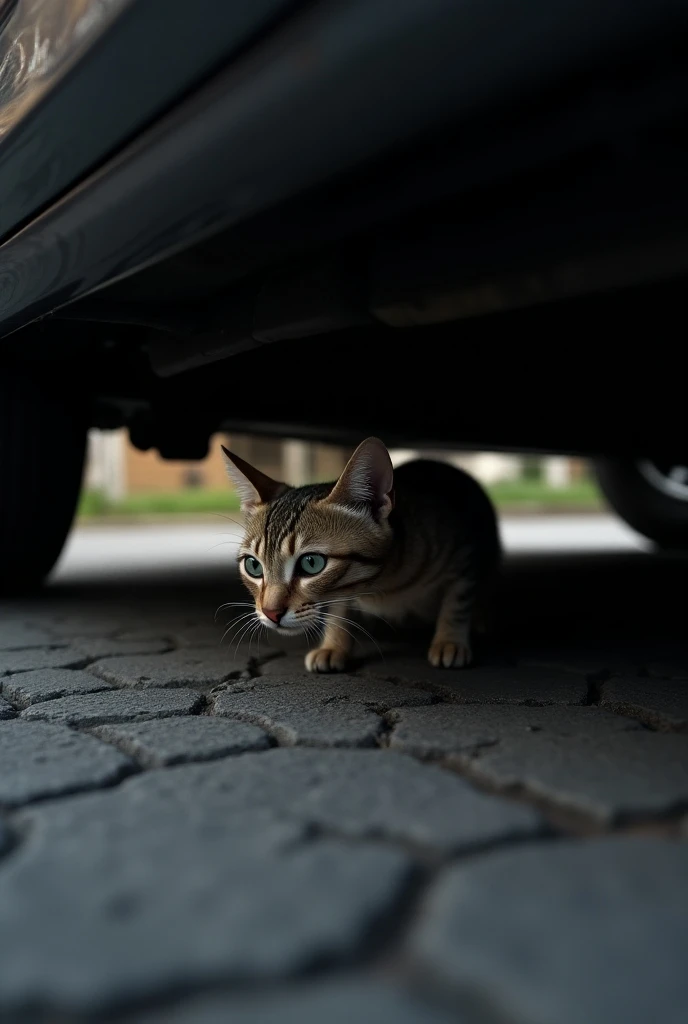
x=652, y=496
x=42, y=445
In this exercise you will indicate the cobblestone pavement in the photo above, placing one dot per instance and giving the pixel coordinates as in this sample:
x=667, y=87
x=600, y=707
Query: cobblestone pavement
x=192, y=832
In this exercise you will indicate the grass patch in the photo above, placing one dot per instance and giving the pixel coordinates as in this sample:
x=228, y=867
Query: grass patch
x=508, y=494
x=191, y=502
x=582, y=494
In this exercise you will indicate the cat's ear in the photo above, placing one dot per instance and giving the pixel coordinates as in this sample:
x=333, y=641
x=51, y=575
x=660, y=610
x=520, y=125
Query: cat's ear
x=368, y=479
x=254, y=488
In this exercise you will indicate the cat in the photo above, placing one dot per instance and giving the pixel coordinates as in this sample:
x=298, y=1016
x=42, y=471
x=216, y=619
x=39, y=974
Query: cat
x=422, y=541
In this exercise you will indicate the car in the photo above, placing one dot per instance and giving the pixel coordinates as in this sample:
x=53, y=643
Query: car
x=450, y=224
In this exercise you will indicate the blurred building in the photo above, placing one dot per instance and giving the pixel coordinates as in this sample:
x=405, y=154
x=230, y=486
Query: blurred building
x=117, y=469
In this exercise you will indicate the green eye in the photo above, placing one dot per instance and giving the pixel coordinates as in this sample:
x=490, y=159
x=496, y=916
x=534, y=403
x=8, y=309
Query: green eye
x=253, y=567
x=311, y=565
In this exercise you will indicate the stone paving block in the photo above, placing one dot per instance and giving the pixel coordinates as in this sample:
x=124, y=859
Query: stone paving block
x=659, y=703
x=41, y=759
x=115, y=706
x=106, y=647
x=625, y=776
x=6, y=710
x=489, y=684
x=166, y=741
x=583, y=759
x=27, y=688
x=362, y=794
x=284, y=666
x=343, y=1001
x=15, y=636
x=331, y=711
x=35, y=658
x=574, y=932
x=198, y=667
x=145, y=890
x=446, y=729
x=145, y=634
x=90, y=622
x=207, y=635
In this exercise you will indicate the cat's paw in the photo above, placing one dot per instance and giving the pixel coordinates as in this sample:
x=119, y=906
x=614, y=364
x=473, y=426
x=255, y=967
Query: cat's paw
x=326, y=659
x=443, y=654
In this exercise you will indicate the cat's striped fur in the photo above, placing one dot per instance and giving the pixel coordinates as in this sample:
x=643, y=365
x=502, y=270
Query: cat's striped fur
x=421, y=541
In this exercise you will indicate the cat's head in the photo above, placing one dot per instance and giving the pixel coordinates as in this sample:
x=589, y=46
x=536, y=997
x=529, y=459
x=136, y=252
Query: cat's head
x=305, y=546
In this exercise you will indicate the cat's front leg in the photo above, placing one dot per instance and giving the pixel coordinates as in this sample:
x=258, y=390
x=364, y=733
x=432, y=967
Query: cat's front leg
x=333, y=653
x=451, y=644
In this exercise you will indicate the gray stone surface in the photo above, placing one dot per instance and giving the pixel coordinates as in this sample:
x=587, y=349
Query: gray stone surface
x=583, y=759
x=115, y=706
x=40, y=759
x=208, y=635
x=626, y=776
x=177, y=882
x=362, y=794
x=30, y=659
x=331, y=711
x=342, y=1001
x=574, y=932
x=15, y=636
x=283, y=666
x=295, y=884
x=146, y=634
x=6, y=710
x=446, y=729
x=488, y=684
x=661, y=704
x=105, y=647
x=89, y=622
x=27, y=688
x=166, y=741
x=198, y=667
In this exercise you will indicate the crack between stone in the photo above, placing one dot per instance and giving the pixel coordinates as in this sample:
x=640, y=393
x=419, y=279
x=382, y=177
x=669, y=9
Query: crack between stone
x=124, y=773
x=566, y=818
x=595, y=682
x=652, y=720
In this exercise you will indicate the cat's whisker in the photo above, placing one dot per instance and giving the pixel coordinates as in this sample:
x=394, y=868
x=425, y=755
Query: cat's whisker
x=221, y=543
x=256, y=628
x=323, y=604
x=233, y=604
x=234, y=622
x=240, y=636
x=338, y=600
x=228, y=518
x=356, y=625
x=349, y=633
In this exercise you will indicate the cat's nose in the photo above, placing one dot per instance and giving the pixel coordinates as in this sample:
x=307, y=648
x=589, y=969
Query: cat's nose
x=274, y=614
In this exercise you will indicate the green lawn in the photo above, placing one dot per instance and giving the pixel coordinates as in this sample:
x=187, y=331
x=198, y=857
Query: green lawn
x=512, y=493
x=507, y=495
x=191, y=502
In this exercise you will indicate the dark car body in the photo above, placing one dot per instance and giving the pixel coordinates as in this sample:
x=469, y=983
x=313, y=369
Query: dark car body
x=451, y=223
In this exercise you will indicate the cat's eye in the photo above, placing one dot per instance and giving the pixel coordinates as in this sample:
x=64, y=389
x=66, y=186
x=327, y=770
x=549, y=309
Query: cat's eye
x=253, y=567
x=311, y=565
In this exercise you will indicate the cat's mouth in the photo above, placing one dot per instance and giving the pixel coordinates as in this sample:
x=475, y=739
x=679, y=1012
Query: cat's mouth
x=288, y=628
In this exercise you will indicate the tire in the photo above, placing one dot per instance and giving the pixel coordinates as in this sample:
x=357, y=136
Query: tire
x=650, y=497
x=42, y=447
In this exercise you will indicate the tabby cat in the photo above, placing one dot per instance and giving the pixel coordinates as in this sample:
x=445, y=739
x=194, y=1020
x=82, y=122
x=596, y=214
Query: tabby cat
x=421, y=541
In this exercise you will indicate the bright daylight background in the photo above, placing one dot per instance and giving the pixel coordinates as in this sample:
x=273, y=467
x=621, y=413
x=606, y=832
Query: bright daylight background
x=138, y=510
